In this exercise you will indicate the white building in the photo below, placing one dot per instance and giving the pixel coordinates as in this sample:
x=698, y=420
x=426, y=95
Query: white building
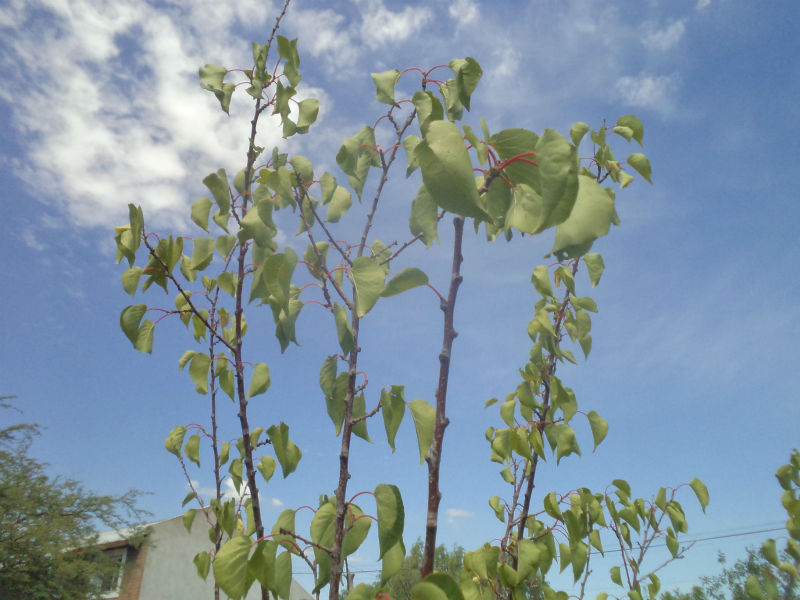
x=162, y=567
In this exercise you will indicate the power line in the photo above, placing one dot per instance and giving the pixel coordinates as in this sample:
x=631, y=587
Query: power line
x=691, y=541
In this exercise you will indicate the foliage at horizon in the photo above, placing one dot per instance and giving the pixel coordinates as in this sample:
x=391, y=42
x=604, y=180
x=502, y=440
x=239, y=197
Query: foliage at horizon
x=48, y=525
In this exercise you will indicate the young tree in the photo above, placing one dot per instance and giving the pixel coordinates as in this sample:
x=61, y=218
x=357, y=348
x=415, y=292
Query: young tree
x=48, y=526
x=511, y=182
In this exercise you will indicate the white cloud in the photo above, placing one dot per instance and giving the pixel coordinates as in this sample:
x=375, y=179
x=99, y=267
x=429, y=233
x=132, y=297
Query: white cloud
x=31, y=241
x=701, y=4
x=108, y=98
x=456, y=513
x=645, y=91
x=463, y=11
x=228, y=490
x=666, y=38
x=381, y=26
x=276, y=502
x=325, y=35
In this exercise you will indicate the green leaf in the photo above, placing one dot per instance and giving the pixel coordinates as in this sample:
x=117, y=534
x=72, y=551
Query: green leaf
x=392, y=562
x=753, y=589
x=217, y=184
x=287, y=452
x=202, y=561
x=278, y=270
x=200, y=211
x=424, y=218
x=391, y=517
x=192, y=449
x=259, y=382
x=406, y=279
x=525, y=210
x=174, y=440
x=359, y=410
x=308, y=110
x=288, y=51
x=562, y=438
x=339, y=204
x=198, y=371
x=202, y=252
x=672, y=545
x=641, y=164
x=701, y=491
x=599, y=427
x=141, y=336
x=424, y=416
x=429, y=110
x=541, y=281
x=358, y=528
x=577, y=132
x=409, y=143
x=225, y=244
x=130, y=280
x=590, y=219
x=285, y=522
x=578, y=553
x=230, y=566
x=211, y=76
x=427, y=591
x=368, y=279
x=343, y=330
x=616, y=576
x=634, y=124
x=316, y=260
x=283, y=575
x=334, y=401
x=468, y=73
x=356, y=155
x=558, y=170
x=770, y=552
x=393, y=408
x=384, y=85
x=327, y=375
x=595, y=267
x=447, y=170
x=625, y=132
x=513, y=142
x=266, y=467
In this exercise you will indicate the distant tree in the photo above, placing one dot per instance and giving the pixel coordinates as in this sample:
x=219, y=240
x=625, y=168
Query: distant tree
x=731, y=583
x=47, y=525
x=451, y=561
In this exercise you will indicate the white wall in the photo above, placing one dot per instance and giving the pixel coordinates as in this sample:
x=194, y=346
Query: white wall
x=170, y=574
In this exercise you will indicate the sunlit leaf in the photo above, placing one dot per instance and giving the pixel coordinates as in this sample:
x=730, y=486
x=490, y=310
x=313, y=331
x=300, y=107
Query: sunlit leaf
x=230, y=566
x=447, y=170
x=384, y=85
x=424, y=416
x=391, y=516
x=368, y=279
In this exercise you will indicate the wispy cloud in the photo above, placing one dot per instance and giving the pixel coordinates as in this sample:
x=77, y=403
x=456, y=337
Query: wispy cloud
x=31, y=241
x=228, y=490
x=381, y=26
x=701, y=4
x=664, y=38
x=457, y=513
x=463, y=11
x=656, y=92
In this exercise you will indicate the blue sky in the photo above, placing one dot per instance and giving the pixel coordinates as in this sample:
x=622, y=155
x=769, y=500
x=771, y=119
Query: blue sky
x=694, y=358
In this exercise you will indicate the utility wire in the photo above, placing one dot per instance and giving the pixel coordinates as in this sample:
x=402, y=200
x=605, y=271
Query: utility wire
x=691, y=541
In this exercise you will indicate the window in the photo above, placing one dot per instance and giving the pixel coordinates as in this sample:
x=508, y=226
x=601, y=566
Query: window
x=108, y=584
